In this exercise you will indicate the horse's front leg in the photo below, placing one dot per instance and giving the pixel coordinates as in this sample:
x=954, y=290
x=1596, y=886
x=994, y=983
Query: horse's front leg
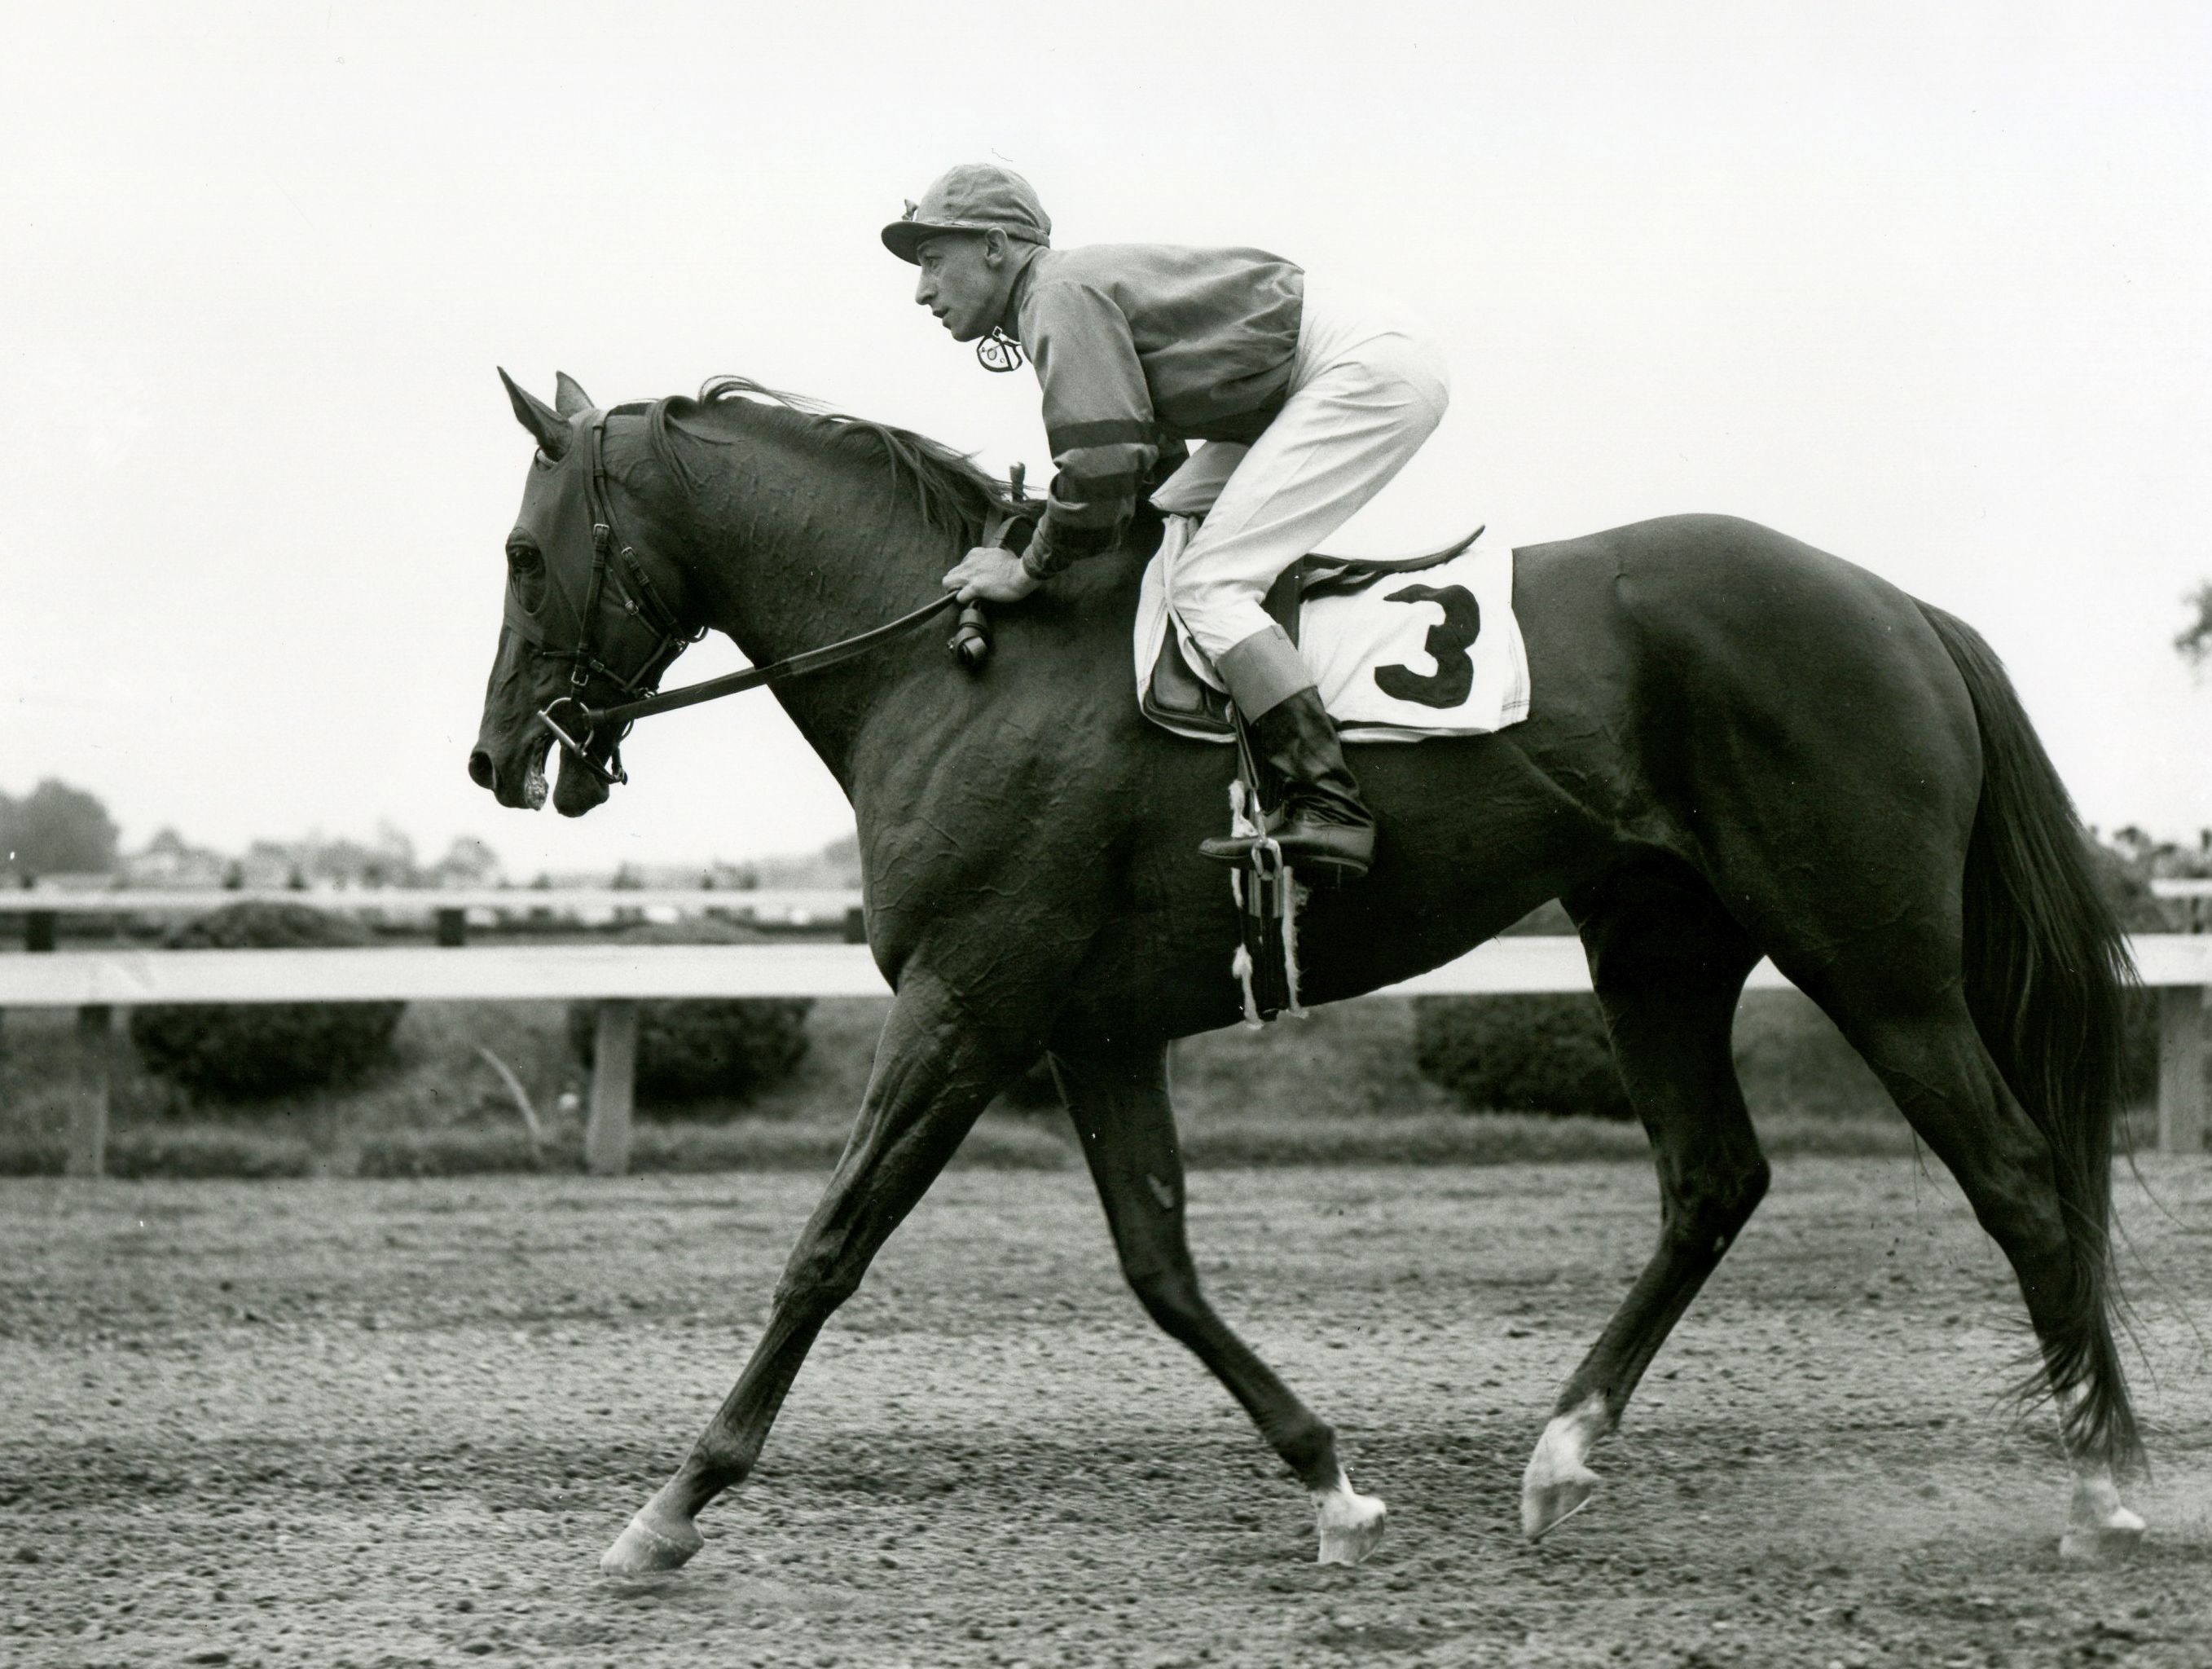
x=1119, y=1098
x=933, y=1073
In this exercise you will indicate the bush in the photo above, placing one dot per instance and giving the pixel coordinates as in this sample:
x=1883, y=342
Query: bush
x=1791, y=1058
x=249, y=1050
x=1508, y=1054
x=1520, y=1054
x=689, y=1050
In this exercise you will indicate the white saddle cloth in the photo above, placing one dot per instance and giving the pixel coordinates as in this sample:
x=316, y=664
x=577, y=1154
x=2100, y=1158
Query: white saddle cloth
x=1432, y=653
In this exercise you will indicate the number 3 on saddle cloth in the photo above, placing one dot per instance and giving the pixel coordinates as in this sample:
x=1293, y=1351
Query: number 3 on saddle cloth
x=1400, y=650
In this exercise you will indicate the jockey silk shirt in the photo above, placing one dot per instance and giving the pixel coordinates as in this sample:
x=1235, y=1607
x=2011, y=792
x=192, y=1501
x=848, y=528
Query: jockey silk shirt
x=1135, y=344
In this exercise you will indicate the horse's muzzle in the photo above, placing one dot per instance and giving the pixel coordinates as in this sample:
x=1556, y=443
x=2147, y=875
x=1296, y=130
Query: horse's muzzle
x=520, y=782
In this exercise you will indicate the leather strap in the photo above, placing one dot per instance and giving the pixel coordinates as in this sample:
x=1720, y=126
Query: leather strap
x=607, y=547
x=792, y=666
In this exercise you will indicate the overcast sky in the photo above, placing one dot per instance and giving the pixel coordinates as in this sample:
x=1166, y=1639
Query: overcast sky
x=1928, y=286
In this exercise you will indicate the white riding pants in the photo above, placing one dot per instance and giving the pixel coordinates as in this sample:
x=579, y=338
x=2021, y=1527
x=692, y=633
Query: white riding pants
x=1367, y=387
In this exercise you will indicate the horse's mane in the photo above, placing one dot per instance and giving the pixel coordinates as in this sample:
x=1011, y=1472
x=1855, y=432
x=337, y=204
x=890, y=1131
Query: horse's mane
x=951, y=492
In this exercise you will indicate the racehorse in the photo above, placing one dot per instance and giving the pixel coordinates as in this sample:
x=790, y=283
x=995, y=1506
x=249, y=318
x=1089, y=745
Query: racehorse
x=1739, y=745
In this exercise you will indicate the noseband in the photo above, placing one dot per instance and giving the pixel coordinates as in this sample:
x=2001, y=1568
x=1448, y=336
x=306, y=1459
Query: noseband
x=615, y=564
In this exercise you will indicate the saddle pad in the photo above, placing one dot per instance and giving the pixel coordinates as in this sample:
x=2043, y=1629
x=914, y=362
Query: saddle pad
x=1403, y=657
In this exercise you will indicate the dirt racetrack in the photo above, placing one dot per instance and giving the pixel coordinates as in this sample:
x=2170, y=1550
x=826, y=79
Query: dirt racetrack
x=375, y=1424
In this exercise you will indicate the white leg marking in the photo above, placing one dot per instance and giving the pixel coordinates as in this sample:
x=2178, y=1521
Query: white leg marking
x=1557, y=1485
x=1350, y=1523
x=658, y=1538
x=2098, y=1529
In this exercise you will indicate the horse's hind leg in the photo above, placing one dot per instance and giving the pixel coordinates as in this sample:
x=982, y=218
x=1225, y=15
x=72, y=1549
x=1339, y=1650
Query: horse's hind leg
x=1929, y=1055
x=1119, y=1098
x=935, y=1070
x=1668, y=964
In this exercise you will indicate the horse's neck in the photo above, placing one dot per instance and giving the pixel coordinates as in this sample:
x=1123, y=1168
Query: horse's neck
x=794, y=547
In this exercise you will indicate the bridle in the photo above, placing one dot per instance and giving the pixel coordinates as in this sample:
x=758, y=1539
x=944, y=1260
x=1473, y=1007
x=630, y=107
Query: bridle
x=616, y=568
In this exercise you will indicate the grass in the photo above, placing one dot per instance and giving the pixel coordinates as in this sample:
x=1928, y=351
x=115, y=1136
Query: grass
x=1339, y=1088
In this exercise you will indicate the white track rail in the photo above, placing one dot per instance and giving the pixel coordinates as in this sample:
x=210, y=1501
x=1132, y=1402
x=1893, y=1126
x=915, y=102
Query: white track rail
x=617, y=976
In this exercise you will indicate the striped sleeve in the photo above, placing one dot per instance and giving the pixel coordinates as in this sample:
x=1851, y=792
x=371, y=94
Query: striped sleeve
x=1097, y=420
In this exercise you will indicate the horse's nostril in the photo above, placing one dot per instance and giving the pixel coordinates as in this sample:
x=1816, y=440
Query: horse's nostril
x=480, y=770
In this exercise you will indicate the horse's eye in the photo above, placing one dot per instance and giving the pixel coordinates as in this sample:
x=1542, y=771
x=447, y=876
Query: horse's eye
x=526, y=571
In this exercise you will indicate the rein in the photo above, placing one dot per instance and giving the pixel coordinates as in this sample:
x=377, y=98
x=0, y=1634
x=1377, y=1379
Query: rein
x=792, y=666
x=969, y=647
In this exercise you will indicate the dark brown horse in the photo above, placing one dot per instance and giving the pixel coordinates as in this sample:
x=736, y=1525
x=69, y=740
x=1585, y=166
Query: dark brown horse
x=1740, y=746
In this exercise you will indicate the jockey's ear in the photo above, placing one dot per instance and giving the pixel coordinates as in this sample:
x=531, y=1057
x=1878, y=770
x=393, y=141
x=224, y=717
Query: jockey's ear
x=548, y=426
x=994, y=247
x=568, y=395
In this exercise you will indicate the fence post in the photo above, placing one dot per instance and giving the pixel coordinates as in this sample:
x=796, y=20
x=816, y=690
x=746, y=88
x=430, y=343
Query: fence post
x=453, y=927
x=614, y=1087
x=87, y=1119
x=2181, y=1069
x=40, y=931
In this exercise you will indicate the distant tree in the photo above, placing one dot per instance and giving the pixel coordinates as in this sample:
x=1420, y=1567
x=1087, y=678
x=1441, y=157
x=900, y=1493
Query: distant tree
x=468, y=861
x=2126, y=862
x=395, y=851
x=2196, y=644
x=843, y=855
x=56, y=829
x=345, y=862
x=267, y=863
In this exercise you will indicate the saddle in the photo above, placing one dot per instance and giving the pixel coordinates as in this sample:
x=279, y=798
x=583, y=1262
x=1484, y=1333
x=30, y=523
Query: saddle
x=1176, y=697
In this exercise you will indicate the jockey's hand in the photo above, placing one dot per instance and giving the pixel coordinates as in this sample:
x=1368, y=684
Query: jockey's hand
x=990, y=574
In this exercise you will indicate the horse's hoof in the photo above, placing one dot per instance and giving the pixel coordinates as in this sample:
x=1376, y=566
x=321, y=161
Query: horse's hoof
x=2100, y=1530
x=2111, y=1540
x=643, y=1549
x=1548, y=1502
x=1557, y=1485
x=1351, y=1524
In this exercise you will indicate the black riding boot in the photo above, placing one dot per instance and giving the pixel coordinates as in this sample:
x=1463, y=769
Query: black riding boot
x=1322, y=824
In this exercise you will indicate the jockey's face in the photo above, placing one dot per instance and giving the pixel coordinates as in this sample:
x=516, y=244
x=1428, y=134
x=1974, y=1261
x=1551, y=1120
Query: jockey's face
x=964, y=279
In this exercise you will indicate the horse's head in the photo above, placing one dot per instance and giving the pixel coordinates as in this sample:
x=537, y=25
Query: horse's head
x=589, y=620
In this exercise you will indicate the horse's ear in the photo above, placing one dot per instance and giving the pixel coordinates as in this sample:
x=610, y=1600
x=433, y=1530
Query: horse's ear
x=549, y=427
x=568, y=395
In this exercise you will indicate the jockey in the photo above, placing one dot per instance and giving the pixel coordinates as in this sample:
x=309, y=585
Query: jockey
x=1307, y=406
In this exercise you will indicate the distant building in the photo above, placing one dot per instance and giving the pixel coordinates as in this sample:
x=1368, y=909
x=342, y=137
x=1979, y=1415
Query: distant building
x=171, y=860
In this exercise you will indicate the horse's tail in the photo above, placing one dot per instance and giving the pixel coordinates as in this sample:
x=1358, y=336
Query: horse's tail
x=2047, y=973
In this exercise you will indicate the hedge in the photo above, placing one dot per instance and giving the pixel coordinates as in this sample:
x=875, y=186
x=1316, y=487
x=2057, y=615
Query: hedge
x=695, y=1051
x=250, y=1051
